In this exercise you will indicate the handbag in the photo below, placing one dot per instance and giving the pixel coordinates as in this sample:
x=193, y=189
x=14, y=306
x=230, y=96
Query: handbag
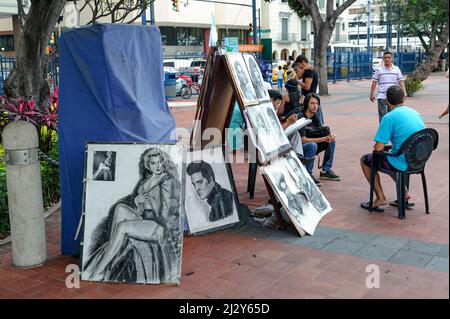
x=316, y=132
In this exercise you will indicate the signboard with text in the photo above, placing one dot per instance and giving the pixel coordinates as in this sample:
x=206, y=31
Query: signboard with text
x=231, y=44
x=250, y=48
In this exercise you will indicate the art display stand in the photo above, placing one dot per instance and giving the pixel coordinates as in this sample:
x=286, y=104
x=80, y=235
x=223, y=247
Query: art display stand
x=214, y=110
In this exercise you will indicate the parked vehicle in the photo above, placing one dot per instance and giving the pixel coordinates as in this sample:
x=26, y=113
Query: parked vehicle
x=188, y=86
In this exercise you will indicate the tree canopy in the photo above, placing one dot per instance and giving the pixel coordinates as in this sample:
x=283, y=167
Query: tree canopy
x=426, y=19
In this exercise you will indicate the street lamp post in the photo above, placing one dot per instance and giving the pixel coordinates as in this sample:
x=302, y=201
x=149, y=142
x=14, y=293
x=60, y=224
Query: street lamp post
x=368, y=26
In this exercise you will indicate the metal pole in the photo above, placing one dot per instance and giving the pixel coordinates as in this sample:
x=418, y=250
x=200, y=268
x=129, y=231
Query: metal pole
x=152, y=13
x=389, y=27
x=368, y=26
x=254, y=21
x=143, y=15
x=259, y=26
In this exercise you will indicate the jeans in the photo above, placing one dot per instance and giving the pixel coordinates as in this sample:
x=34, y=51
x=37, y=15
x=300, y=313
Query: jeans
x=311, y=149
x=382, y=108
x=280, y=84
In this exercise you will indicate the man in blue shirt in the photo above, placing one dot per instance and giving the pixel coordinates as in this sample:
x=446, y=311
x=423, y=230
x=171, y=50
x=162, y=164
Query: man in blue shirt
x=396, y=126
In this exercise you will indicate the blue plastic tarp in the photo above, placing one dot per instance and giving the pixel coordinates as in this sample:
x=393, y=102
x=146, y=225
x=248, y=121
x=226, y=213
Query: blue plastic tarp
x=111, y=89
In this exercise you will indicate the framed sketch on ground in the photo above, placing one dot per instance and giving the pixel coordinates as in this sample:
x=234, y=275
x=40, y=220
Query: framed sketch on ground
x=211, y=199
x=256, y=77
x=241, y=78
x=304, y=204
x=133, y=225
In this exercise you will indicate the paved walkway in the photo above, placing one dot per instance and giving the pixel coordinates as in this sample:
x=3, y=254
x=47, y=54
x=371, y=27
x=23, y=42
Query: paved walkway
x=258, y=262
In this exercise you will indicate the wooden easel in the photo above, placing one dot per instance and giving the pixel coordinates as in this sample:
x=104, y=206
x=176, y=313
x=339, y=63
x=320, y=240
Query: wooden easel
x=275, y=203
x=215, y=108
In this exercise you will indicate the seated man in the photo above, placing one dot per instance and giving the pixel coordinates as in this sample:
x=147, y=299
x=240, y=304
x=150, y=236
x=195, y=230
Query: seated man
x=294, y=139
x=396, y=126
x=315, y=145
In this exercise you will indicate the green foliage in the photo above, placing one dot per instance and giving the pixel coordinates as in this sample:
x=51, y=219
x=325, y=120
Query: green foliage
x=412, y=86
x=422, y=18
x=50, y=176
x=298, y=8
x=4, y=215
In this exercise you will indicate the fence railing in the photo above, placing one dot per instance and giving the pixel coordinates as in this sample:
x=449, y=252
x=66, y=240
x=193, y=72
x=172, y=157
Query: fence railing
x=357, y=65
x=7, y=64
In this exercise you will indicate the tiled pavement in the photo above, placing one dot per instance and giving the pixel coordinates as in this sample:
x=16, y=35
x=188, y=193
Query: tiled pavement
x=258, y=262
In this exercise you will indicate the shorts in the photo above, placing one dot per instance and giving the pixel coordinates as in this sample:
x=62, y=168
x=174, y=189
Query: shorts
x=367, y=160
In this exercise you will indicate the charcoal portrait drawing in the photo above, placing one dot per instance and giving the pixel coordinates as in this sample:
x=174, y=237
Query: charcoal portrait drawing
x=307, y=186
x=104, y=166
x=256, y=77
x=139, y=239
x=218, y=198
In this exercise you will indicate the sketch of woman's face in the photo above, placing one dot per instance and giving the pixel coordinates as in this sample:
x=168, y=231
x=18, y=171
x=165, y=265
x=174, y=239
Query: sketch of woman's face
x=155, y=164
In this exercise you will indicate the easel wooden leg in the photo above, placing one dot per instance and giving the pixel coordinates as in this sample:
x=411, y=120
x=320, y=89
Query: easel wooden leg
x=275, y=203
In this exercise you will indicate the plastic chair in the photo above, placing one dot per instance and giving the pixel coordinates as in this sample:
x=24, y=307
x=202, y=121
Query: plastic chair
x=417, y=150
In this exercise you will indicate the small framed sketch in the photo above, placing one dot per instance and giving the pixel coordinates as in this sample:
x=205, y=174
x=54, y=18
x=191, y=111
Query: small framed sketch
x=104, y=166
x=241, y=78
x=300, y=197
x=256, y=77
x=211, y=199
x=133, y=225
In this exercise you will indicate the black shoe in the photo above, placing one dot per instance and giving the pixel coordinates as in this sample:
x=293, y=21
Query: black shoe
x=330, y=175
x=316, y=181
x=305, y=160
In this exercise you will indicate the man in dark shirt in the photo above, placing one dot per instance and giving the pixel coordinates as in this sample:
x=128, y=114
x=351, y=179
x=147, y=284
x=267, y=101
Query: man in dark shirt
x=203, y=180
x=310, y=79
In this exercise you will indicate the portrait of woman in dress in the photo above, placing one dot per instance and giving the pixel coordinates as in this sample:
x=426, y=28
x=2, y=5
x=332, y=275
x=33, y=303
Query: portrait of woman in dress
x=139, y=240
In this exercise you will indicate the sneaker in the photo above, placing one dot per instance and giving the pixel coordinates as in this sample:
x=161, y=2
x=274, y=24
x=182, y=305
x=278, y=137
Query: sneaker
x=316, y=181
x=330, y=175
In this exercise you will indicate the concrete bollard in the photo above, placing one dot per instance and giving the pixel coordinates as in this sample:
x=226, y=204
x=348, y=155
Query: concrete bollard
x=23, y=181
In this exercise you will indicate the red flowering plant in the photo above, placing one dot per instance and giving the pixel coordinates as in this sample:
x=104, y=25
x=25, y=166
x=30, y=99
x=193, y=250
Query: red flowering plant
x=18, y=109
x=12, y=109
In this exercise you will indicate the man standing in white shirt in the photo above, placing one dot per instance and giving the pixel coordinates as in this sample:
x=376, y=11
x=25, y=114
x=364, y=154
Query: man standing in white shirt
x=385, y=76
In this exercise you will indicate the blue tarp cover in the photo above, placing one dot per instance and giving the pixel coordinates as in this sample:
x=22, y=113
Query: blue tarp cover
x=111, y=89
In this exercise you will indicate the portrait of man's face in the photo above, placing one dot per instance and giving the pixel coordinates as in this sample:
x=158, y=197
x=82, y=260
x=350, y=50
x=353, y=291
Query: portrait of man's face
x=201, y=185
x=240, y=73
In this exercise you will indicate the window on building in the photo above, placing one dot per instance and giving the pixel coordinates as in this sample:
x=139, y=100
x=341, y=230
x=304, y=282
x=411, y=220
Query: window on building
x=284, y=28
x=303, y=30
x=321, y=4
x=189, y=36
x=182, y=36
x=7, y=42
x=168, y=35
x=232, y=33
x=338, y=31
x=284, y=1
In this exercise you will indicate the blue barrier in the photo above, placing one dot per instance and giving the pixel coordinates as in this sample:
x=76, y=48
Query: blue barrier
x=7, y=64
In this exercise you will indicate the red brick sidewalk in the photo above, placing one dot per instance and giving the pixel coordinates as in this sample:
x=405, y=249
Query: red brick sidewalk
x=236, y=265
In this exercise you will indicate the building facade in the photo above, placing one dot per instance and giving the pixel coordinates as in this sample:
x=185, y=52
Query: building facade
x=291, y=35
x=9, y=26
x=357, y=17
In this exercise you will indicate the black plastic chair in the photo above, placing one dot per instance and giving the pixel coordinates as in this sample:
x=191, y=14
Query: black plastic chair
x=417, y=149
